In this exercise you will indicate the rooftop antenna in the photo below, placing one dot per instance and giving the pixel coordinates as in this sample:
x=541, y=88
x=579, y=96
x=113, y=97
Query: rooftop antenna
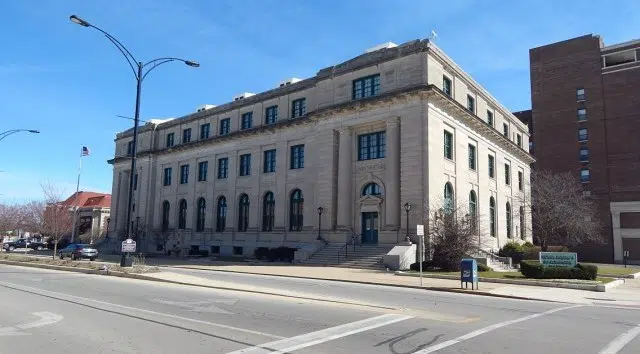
x=433, y=35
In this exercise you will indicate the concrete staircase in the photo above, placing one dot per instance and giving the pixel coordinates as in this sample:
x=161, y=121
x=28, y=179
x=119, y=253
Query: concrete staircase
x=364, y=257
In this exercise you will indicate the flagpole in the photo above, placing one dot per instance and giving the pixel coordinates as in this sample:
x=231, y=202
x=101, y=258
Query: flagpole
x=75, y=210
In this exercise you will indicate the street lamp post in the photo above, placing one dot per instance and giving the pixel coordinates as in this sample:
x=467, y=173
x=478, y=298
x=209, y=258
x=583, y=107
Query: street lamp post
x=407, y=208
x=108, y=222
x=140, y=72
x=320, y=210
x=13, y=131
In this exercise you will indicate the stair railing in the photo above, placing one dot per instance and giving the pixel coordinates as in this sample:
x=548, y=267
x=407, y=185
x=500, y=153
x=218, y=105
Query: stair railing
x=345, y=247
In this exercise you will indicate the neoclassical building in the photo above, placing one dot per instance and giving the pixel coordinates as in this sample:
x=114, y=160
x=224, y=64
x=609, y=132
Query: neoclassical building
x=398, y=124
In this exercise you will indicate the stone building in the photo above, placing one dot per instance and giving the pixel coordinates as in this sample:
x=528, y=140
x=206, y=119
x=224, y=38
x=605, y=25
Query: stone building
x=398, y=124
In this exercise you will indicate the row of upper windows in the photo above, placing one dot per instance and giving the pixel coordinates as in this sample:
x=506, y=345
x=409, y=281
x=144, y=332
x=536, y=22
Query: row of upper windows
x=244, y=166
x=473, y=160
x=471, y=106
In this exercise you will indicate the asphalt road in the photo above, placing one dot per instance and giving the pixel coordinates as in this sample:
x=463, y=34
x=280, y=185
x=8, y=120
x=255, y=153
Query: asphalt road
x=58, y=312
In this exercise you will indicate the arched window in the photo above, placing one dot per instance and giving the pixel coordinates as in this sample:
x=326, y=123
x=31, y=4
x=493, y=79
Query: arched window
x=182, y=215
x=371, y=189
x=243, y=213
x=473, y=208
x=448, y=198
x=166, y=208
x=296, y=206
x=268, y=211
x=221, y=214
x=522, y=222
x=492, y=216
x=508, y=211
x=202, y=212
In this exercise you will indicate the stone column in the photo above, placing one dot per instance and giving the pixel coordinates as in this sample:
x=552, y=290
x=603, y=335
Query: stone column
x=392, y=174
x=345, y=177
x=617, y=237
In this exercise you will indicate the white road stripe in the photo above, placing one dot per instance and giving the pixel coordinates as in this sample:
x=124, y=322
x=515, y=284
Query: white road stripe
x=617, y=344
x=61, y=296
x=306, y=340
x=484, y=330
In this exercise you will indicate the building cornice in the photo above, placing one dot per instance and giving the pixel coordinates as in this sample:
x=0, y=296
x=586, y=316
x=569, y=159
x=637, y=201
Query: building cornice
x=352, y=107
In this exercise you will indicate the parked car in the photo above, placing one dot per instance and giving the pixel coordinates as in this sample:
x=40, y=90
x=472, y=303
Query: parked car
x=37, y=245
x=78, y=251
x=10, y=246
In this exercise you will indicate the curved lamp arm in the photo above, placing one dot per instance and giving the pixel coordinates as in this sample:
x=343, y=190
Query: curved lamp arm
x=13, y=131
x=159, y=61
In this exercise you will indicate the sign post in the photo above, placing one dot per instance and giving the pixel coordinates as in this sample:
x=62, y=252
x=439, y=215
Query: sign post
x=128, y=247
x=420, y=233
x=625, y=257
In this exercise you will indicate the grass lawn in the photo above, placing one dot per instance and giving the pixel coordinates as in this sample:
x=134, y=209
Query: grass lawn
x=510, y=275
x=612, y=270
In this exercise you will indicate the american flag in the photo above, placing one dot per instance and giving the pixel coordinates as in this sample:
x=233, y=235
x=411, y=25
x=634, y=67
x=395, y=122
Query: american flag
x=85, y=151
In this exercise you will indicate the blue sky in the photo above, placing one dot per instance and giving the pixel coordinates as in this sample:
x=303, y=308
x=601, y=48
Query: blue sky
x=70, y=82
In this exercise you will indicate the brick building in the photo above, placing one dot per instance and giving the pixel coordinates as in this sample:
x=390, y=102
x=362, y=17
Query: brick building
x=397, y=124
x=585, y=119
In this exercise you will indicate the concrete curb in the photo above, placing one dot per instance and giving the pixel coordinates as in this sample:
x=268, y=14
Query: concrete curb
x=150, y=278
x=627, y=276
x=431, y=288
x=541, y=283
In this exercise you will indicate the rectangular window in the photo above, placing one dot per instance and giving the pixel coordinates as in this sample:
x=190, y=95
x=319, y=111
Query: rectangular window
x=583, y=134
x=170, y=139
x=584, y=154
x=446, y=86
x=246, y=120
x=505, y=130
x=204, y=131
x=225, y=126
x=203, y=168
x=580, y=94
x=167, y=176
x=448, y=145
x=585, y=176
x=186, y=135
x=492, y=166
x=269, y=163
x=366, y=87
x=223, y=168
x=507, y=174
x=519, y=140
x=472, y=157
x=184, y=174
x=298, y=108
x=520, y=180
x=130, y=148
x=297, y=157
x=582, y=114
x=271, y=115
x=490, y=118
x=245, y=165
x=372, y=146
x=471, y=104
x=135, y=182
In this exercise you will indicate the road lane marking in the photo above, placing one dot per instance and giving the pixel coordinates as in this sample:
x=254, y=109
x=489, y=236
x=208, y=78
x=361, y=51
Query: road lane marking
x=57, y=295
x=46, y=318
x=487, y=329
x=306, y=340
x=200, y=306
x=617, y=344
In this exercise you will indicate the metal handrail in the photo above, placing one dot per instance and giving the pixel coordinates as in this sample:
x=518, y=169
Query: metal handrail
x=345, y=247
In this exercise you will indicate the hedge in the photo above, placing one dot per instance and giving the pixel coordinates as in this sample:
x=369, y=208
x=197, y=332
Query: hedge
x=536, y=270
x=430, y=266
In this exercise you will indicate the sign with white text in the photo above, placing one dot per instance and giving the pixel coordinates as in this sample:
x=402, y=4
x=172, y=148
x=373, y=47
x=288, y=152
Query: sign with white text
x=128, y=245
x=559, y=259
x=420, y=230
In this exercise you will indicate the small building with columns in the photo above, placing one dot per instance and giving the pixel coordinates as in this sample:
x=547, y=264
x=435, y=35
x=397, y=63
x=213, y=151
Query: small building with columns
x=334, y=155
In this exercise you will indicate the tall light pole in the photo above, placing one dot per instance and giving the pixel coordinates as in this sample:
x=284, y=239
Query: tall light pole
x=13, y=131
x=407, y=208
x=320, y=210
x=140, y=72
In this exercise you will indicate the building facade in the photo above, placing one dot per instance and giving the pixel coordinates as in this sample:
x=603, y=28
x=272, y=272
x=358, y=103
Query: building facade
x=586, y=115
x=335, y=155
x=93, y=210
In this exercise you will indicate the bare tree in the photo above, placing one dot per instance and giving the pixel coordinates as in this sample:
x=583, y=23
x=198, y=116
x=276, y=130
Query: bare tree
x=34, y=215
x=12, y=217
x=561, y=213
x=57, y=217
x=454, y=233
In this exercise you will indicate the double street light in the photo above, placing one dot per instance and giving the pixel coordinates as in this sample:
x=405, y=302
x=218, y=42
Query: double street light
x=140, y=72
x=13, y=131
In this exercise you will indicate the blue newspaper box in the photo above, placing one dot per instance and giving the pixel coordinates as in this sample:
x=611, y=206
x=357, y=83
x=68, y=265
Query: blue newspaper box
x=469, y=273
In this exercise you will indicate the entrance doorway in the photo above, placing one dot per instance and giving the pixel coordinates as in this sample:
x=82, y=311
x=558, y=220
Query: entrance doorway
x=370, y=228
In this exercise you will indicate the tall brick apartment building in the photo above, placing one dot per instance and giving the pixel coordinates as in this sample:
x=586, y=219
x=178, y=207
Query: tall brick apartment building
x=585, y=119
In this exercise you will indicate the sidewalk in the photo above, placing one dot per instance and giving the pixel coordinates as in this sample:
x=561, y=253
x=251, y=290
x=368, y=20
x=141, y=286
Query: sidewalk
x=627, y=294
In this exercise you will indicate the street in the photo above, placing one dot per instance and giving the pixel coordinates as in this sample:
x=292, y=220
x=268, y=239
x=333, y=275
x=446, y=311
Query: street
x=60, y=312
